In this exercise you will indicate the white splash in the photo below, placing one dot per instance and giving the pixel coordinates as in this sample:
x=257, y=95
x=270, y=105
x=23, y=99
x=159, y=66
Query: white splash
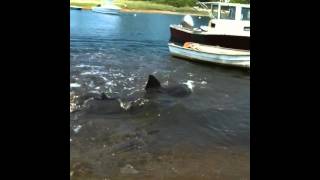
x=84, y=65
x=105, y=79
x=125, y=105
x=143, y=102
x=126, y=88
x=130, y=78
x=117, y=75
x=77, y=128
x=73, y=105
x=75, y=85
x=110, y=83
x=93, y=73
x=190, y=84
x=203, y=82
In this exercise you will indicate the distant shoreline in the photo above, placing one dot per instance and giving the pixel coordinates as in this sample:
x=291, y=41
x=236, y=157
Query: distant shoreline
x=159, y=12
x=151, y=11
x=128, y=6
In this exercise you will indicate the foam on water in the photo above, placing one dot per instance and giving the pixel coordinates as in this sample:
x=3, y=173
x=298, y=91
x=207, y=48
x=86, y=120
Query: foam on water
x=94, y=72
x=75, y=85
x=130, y=78
x=166, y=83
x=84, y=66
x=190, y=84
x=203, y=82
x=76, y=129
x=126, y=88
x=111, y=83
x=118, y=75
x=104, y=78
x=125, y=104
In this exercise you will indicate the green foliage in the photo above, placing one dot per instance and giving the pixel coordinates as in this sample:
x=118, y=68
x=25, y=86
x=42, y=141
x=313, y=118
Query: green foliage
x=240, y=1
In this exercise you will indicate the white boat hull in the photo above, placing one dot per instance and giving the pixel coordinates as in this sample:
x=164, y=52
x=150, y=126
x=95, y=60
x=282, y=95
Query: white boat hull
x=216, y=55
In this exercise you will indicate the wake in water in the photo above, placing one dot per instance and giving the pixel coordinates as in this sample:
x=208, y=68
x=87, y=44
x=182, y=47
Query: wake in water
x=100, y=103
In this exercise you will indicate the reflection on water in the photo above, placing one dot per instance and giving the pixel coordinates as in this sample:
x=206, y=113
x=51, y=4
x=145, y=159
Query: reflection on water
x=134, y=136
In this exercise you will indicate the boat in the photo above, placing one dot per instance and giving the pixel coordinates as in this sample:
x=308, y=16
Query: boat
x=75, y=7
x=226, y=39
x=212, y=54
x=107, y=8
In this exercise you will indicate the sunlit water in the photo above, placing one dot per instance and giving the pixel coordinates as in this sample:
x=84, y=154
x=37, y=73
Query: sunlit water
x=205, y=135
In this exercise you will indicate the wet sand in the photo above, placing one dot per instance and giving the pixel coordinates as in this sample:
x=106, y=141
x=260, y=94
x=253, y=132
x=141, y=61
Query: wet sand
x=176, y=164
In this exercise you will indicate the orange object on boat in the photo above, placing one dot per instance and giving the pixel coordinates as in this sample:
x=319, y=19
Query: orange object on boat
x=187, y=45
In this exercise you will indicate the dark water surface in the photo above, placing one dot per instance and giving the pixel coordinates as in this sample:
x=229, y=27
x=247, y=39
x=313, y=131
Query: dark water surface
x=205, y=135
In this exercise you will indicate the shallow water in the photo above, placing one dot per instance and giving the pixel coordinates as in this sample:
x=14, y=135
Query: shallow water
x=205, y=135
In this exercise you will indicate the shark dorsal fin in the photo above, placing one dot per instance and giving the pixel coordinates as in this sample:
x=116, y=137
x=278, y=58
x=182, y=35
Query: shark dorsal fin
x=152, y=83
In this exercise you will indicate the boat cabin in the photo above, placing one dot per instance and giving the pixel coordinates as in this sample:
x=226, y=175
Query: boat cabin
x=228, y=18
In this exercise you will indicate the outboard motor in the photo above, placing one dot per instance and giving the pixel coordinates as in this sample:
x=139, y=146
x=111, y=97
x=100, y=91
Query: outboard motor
x=187, y=22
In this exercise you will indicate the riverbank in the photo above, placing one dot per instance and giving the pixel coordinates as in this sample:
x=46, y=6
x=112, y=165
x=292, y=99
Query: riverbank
x=141, y=7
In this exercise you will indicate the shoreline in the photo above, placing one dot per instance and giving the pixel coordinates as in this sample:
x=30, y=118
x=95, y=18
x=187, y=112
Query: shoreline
x=128, y=6
x=159, y=12
x=149, y=11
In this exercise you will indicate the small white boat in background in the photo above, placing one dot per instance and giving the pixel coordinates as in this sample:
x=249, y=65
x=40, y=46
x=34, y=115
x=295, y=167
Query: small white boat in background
x=107, y=8
x=75, y=7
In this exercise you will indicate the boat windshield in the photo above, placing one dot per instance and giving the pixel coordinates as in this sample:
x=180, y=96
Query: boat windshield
x=228, y=12
x=215, y=11
x=245, y=14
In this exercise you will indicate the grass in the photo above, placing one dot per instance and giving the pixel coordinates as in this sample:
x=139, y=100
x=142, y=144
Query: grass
x=85, y=4
x=143, y=5
x=138, y=5
x=146, y=5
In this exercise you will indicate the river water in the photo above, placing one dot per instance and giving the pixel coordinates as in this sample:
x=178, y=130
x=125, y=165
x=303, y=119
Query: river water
x=205, y=135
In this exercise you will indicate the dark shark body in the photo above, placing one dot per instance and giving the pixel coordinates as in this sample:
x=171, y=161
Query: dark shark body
x=154, y=86
x=100, y=104
x=103, y=105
